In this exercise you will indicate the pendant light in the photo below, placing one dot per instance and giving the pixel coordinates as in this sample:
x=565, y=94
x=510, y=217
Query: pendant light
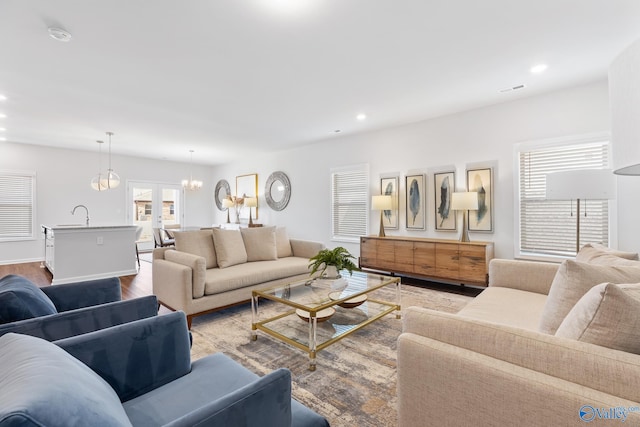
x=96, y=181
x=191, y=184
x=111, y=179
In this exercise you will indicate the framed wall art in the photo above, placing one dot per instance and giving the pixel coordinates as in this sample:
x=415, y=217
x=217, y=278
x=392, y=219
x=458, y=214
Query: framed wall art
x=247, y=186
x=389, y=187
x=481, y=181
x=415, y=209
x=444, y=184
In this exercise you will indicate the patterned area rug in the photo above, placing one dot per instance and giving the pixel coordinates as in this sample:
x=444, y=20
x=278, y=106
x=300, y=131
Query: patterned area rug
x=355, y=380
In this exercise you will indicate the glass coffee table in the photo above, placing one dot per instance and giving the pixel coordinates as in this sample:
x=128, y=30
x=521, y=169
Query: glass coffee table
x=313, y=314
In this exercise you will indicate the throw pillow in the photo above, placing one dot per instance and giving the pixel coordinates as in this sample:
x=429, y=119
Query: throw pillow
x=571, y=282
x=20, y=299
x=260, y=243
x=43, y=385
x=283, y=245
x=592, y=251
x=199, y=242
x=608, y=315
x=229, y=247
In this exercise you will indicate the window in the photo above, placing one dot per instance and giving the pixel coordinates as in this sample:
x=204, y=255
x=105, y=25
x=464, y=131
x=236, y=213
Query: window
x=349, y=202
x=548, y=227
x=17, y=195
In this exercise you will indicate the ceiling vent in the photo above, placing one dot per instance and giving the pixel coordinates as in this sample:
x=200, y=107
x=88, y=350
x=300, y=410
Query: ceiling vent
x=512, y=88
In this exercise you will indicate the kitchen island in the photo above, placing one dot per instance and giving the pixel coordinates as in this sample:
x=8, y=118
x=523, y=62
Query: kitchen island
x=77, y=252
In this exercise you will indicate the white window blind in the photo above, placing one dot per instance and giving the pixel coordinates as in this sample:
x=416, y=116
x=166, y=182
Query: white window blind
x=548, y=227
x=17, y=205
x=349, y=207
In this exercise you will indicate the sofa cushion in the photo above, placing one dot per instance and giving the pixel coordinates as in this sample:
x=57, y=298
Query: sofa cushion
x=283, y=245
x=592, y=251
x=229, y=247
x=572, y=281
x=260, y=243
x=199, y=243
x=20, y=299
x=608, y=315
x=42, y=385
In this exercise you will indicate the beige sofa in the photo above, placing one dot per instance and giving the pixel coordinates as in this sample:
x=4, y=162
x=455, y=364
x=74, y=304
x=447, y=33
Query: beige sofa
x=209, y=270
x=543, y=345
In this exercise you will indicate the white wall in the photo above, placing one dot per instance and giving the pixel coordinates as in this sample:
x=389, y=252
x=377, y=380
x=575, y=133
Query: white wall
x=63, y=178
x=624, y=86
x=480, y=137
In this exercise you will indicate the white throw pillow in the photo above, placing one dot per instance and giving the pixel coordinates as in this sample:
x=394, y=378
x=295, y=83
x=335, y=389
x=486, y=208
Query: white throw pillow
x=571, y=282
x=199, y=242
x=283, y=244
x=229, y=247
x=260, y=243
x=608, y=315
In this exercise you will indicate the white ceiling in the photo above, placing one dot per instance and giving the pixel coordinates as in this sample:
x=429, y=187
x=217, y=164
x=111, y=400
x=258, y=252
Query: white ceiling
x=233, y=77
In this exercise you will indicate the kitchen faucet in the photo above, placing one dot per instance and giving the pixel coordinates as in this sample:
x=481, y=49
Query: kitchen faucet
x=85, y=208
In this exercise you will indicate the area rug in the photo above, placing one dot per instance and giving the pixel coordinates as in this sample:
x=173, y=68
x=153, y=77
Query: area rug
x=355, y=380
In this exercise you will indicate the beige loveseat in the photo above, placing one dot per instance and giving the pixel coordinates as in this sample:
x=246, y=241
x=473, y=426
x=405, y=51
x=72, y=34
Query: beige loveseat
x=543, y=345
x=213, y=269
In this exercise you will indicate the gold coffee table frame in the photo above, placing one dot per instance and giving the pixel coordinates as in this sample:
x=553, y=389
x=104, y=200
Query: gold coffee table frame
x=312, y=296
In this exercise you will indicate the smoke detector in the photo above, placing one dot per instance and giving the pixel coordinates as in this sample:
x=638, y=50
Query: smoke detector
x=60, y=34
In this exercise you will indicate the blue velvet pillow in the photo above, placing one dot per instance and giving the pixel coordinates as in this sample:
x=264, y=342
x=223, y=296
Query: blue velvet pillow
x=43, y=385
x=20, y=299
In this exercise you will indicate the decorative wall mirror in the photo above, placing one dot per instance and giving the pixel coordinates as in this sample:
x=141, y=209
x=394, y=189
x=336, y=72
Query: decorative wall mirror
x=223, y=189
x=247, y=185
x=277, y=191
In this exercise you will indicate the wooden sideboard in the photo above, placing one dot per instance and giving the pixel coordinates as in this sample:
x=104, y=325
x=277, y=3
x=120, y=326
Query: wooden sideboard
x=449, y=260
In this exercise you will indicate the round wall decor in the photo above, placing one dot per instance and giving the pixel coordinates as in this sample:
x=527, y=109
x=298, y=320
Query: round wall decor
x=223, y=189
x=277, y=191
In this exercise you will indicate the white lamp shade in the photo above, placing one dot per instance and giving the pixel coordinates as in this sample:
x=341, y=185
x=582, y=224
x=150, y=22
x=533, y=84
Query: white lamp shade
x=586, y=184
x=381, y=203
x=227, y=203
x=250, y=202
x=464, y=201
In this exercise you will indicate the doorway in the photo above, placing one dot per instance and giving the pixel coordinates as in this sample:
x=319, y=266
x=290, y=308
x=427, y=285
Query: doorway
x=153, y=205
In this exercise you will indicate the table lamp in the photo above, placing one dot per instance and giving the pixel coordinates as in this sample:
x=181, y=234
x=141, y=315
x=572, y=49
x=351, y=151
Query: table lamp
x=464, y=201
x=250, y=202
x=381, y=203
x=227, y=203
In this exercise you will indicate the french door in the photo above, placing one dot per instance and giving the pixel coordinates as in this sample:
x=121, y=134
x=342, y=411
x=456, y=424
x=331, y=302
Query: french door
x=153, y=205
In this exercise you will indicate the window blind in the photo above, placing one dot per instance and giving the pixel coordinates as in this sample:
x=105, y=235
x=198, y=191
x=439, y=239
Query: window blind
x=548, y=227
x=16, y=205
x=349, y=207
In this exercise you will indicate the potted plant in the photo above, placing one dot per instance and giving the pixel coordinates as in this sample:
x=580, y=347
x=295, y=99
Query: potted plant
x=331, y=261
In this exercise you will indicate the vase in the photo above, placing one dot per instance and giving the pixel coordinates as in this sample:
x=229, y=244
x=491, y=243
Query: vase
x=331, y=272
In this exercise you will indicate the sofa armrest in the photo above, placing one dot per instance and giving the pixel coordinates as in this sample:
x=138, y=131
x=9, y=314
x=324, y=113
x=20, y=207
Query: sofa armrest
x=532, y=276
x=305, y=248
x=198, y=266
x=84, y=294
x=441, y=384
x=136, y=357
x=83, y=320
x=265, y=402
x=609, y=371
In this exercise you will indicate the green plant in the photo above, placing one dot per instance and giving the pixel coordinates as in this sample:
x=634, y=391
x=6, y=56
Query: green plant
x=339, y=257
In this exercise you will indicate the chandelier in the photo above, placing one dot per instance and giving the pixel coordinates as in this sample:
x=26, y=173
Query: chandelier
x=191, y=184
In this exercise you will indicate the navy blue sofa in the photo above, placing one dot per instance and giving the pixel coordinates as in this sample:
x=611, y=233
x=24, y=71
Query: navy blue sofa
x=60, y=311
x=139, y=373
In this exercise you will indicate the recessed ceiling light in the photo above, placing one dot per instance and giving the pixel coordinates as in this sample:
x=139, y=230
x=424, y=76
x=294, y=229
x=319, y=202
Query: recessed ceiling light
x=3, y=116
x=2, y=138
x=361, y=116
x=538, y=68
x=60, y=34
x=3, y=129
x=2, y=97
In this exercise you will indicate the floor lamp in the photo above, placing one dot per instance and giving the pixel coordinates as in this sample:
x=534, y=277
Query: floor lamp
x=580, y=184
x=464, y=201
x=381, y=203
